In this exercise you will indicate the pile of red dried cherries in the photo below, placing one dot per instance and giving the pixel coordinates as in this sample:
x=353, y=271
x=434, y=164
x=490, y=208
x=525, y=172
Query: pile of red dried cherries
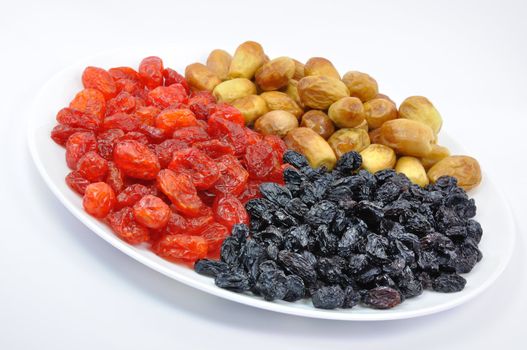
x=161, y=164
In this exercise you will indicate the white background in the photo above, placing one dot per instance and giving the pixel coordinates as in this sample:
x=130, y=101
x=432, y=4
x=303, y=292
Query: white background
x=62, y=287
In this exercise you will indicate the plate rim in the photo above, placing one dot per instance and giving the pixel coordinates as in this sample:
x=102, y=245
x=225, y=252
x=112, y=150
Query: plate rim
x=124, y=247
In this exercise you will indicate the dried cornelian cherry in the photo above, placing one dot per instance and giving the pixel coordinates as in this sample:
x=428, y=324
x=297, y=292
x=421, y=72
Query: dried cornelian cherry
x=277, y=144
x=171, y=119
x=181, y=192
x=134, y=135
x=147, y=114
x=119, y=73
x=251, y=191
x=173, y=77
x=201, y=168
x=99, y=199
x=115, y=178
x=124, y=225
x=166, y=149
x=252, y=137
x=165, y=96
x=152, y=212
x=77, y=145
x=124, y=102
x=229, y=132
x=191, y=134
x=92, y=166
x=181, y=248
x=123, y=121
x=214, y=234
x=136, y=160
x=233, y=178
x=131, y=195
x=177, y=224
x=229, y=113
x=215, y=148
x=153, y=134
x=261, y=160
x=76, y=182
x=61, y=133
x=151, y=71
x=99, y=79
x=90, y=101
x=106, y=140
x=201, y=104
x=77, y=119
x=228, y=211
x=132, y=87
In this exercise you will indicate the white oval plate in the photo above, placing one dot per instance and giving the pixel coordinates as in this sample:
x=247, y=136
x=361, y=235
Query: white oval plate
x=493, y=211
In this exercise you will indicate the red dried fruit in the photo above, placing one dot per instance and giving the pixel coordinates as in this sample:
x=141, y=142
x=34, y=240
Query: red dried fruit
x=115, y=178
x=171, y=119
x=181, y=192
x=119, y=73
x=131, y=195
x=252, y=191
x=134, y=135
x=106, y=140
x=77, y=119
x=153, y=134
x=90, y=101
x=277, y=144
x=214, y=148
x=77, y=145
x=191, y=134
x=228, y=210
x=196, y=225
x=125, y=226
x=123, y=121
x=202, y=104
x=76, y=182
x=124, y=102
x=215, y=234
x=151, y=71
x=147, y=114
x=228, y=112
x=173, y=77
x=178, y=248
x=98, y=78
x=61, y=133
x=166, y=149
x=233, y=177
x=261, y=160
x=200, y=167
x=177, y=224
x=152, y=212
x=165, y=96
x=228, y=131
x=136, y=160
x=132, y=87
x=252, y=137
x=92, y=166
x=99, y=199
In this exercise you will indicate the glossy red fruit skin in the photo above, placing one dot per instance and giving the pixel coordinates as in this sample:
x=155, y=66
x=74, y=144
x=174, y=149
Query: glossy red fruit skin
x=202, y=104
x=228, y=112
x=92, y=166
x=152, y=212
x=191, y=134
x=228, y=211
x=277, y=144
x=119, y=73
x=136, y=160
x=251, y=191
x=229, y=132
x=181, y=192
x=124, y=102
x=90, y=101
x=165, y=96
x=76, y=182
x=171, y=119
x=134, y=88
x=151, y=71
x=77, y=145
x=99, y=79
x=181, y=248
x=215, y=148
x=124, y=225
x=106, y=141
x=261, y=160
x=61, y=133
x=77, y=119
x=99, y=199
x=131, y=195
x=115, y=178
x=123, y=121
x=233, y=178
x=214, y=234
x=166, y=149
x=200, y=167
x=173, y=77
x=136, y=136
x=177, y=224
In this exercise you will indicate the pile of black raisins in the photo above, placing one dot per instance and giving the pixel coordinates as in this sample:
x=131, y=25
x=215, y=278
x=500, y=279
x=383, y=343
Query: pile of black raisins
x=347, y=237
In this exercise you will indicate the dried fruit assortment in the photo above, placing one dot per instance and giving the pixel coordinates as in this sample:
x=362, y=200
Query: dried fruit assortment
x=365, y=206
x=336, y=114
x=348, y=236
x=161, y=164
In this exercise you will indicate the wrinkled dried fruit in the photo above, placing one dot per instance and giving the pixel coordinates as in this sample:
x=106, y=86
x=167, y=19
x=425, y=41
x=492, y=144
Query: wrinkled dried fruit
x=136, y=160
x=99, y=199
